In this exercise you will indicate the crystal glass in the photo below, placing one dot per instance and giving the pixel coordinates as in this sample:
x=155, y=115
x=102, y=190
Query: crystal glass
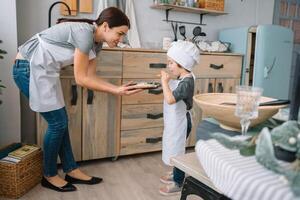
x=247, y=105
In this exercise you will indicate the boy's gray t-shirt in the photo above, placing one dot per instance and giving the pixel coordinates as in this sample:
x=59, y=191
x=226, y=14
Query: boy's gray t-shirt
x=185, y=91
x=68, y=34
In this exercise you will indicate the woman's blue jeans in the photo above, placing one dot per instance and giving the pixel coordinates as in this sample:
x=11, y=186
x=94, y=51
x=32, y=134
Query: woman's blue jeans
x=56, y=139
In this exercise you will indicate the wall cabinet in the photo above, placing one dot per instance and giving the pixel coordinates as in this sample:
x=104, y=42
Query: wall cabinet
x=103, y=125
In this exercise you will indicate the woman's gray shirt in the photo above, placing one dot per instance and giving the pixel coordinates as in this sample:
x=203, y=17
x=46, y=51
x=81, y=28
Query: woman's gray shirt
x=69, y=35
x=48, y=52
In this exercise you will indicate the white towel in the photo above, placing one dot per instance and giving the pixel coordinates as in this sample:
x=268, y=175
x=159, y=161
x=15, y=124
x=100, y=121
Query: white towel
x=133, y=34
x=101, y=6
x=238, y=177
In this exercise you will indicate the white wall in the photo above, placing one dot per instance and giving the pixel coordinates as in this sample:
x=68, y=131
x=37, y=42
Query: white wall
x=33, y=17
x=240, y=13
x=10, y=109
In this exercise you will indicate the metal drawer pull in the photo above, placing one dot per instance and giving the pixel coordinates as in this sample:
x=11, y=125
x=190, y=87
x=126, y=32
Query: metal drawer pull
x=153, y=140
x=220, y=88
x=155, y=116
x=157, y=65
x=90, y=97
x=210, y=88
x=74, y=95
x=214, y=66
x=154, y=91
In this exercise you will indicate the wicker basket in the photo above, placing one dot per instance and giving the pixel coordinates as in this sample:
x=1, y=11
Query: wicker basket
x=212, y=4
x=18, y=178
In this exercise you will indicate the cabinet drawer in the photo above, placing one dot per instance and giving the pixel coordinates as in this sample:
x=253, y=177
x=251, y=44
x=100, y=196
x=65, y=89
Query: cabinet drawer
x=215, y=66
x=141, y=140
x=146, y=96
x=109, y=64
x=143, y=65
x=141, y=116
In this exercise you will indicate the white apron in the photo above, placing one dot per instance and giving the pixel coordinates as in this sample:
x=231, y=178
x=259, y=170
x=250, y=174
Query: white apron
x=175, y=127
x=45, y=92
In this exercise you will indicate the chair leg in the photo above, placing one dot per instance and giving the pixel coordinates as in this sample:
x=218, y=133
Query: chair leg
x=193, y=186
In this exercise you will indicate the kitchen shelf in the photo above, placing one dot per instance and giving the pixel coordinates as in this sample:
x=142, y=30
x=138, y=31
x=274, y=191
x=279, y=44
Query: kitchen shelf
x=201, y=11
x=187, y=9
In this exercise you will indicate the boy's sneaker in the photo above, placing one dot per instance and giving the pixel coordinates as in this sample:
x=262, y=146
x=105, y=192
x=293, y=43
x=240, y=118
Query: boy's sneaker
x=171, y=189
x=167, y=179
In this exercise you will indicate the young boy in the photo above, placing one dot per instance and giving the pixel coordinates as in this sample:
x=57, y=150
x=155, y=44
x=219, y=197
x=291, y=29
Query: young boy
x=178, y=100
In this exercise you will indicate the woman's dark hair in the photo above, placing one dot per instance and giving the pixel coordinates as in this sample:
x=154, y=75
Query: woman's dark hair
x=112, y=15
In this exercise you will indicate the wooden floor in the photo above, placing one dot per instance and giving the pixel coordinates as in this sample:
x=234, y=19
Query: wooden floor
x=128, y=178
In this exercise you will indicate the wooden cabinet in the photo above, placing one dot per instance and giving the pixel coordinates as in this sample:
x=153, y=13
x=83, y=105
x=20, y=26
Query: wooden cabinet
x=103, y=125
x=142, y=114
x=100, y=123
x=101, y=111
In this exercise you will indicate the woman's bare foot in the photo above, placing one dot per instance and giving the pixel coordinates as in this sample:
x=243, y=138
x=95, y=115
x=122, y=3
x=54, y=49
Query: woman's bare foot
x=76, y=173
x=56, y=181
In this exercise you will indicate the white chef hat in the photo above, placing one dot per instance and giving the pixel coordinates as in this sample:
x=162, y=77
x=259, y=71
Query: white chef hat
x=185, y=53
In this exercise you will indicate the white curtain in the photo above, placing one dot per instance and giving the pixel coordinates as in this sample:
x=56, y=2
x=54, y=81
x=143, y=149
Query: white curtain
x=101, y=6
x=133, y=34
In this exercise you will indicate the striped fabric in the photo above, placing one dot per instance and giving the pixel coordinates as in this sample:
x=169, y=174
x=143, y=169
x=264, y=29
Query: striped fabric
x=238, y=177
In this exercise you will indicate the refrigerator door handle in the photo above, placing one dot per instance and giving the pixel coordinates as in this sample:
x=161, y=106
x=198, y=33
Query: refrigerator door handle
x=268, y=69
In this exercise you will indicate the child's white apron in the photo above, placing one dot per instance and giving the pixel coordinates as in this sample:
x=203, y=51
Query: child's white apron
x=175, y=127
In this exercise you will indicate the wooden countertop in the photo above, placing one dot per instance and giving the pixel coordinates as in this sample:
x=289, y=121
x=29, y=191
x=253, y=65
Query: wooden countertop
x=164, y=51
x=189, y=164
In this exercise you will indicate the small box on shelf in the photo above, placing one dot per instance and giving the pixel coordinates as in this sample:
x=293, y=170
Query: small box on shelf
x=211, y=4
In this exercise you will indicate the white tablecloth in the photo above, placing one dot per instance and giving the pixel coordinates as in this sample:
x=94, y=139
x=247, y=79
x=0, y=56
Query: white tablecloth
x=238, y=177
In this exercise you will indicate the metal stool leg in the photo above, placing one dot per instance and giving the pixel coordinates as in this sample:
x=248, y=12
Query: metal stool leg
x=193, y=186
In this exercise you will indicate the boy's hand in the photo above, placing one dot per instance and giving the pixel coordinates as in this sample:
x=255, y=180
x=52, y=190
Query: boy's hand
x=165, y=77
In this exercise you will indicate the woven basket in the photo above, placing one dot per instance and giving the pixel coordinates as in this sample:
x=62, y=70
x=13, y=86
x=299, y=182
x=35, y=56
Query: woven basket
x=212, y=4
x=18, y=178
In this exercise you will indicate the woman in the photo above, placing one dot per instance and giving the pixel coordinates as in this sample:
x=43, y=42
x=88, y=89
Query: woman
x=36, y=73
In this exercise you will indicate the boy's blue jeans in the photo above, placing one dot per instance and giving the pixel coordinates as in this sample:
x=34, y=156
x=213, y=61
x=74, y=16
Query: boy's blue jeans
x=56, y=139
x=178, y=175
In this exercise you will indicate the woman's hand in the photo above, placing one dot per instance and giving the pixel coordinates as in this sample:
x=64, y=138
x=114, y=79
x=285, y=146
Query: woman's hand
x=127, y=89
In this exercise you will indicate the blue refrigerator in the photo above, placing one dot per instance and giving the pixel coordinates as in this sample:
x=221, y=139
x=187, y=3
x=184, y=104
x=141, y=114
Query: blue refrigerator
x=267, y=51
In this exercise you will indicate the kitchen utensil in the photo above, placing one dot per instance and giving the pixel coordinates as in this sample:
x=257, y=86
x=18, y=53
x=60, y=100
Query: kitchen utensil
x=197, y=31
x=174, y=27
x=182, y=31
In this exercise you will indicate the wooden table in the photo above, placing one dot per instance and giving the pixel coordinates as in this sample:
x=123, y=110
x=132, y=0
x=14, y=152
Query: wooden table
x=197, y=182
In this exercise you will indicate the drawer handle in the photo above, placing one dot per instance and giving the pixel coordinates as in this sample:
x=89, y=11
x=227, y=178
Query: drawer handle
x=74, y=95
x=220, y=88
x=157, y=65
x=210, y=88
x=153, y=140
x=155, y=91
x=214, y=66
x=90, y=97
x=155, y=116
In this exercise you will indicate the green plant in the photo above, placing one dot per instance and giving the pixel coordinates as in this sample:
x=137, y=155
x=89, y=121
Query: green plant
x=1, y=57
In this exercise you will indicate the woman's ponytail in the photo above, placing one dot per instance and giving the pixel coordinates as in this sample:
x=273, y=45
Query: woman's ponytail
x=113, y=16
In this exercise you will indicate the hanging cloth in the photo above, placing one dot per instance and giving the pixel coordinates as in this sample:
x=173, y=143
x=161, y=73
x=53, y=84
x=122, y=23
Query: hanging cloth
x=133, y=34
